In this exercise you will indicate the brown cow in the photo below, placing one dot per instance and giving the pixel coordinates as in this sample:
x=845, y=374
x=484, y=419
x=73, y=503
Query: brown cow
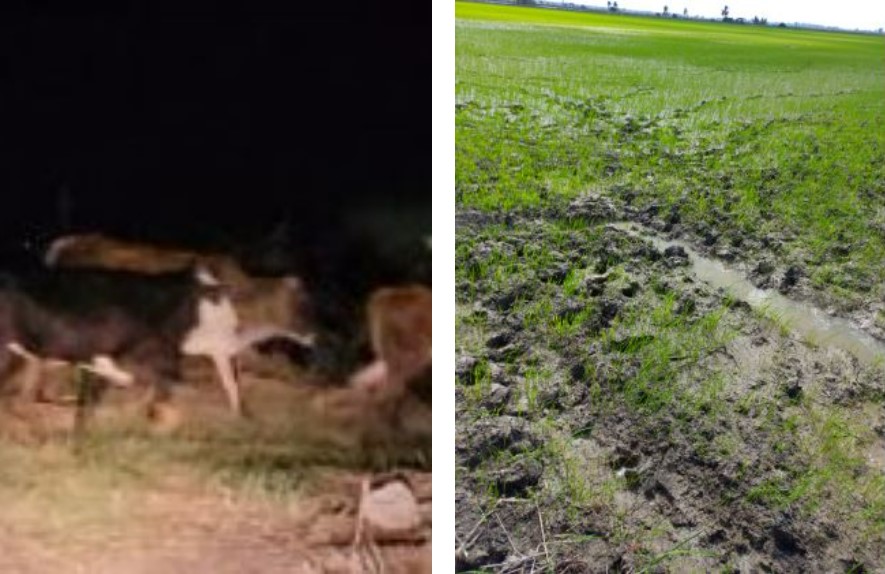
x=400, y=329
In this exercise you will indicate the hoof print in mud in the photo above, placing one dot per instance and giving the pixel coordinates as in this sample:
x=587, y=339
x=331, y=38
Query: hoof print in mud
x=793, y=390
x=489, y=436
x=675, y=256
x=785, y=542
x=517, y=478
x=606, y=312
x=791, y=277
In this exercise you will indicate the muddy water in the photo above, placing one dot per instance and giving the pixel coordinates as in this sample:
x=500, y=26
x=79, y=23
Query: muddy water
x=807, y=321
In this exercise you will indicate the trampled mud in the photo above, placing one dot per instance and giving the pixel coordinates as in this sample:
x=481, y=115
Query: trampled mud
x=617, y=412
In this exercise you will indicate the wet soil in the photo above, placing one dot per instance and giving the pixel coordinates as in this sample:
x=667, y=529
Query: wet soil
x=617, y=413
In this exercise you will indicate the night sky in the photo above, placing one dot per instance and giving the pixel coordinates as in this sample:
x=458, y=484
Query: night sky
x=210, y=128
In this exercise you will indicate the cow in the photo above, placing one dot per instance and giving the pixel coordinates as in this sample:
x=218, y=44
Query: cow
x=94, y=317
x=259, y=302
x=400, y=329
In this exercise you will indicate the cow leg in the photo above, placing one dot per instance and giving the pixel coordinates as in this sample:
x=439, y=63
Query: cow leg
x=224, y=365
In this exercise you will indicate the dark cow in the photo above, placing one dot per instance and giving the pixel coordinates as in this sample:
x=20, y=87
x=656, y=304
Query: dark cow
x=80, y=316
x=91, y=317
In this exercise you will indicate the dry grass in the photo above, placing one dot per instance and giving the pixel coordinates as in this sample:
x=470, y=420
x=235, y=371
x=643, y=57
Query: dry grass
x=203, y=490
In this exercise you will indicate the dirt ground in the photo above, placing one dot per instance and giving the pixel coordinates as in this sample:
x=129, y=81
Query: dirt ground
x=201, y=492
x=178, y=528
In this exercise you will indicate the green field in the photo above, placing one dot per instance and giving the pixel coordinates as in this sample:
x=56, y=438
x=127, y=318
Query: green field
x=752, y=130
x=614, y=411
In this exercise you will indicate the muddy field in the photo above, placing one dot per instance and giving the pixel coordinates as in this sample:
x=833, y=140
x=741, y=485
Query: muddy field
x=194, y=489
x=615, y=413
x=669, y=295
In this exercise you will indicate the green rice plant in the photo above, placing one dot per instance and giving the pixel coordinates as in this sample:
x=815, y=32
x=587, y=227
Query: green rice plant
x=754, y=130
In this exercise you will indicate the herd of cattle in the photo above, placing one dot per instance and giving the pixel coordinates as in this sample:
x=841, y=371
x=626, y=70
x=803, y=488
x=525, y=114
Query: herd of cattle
x=128, y=313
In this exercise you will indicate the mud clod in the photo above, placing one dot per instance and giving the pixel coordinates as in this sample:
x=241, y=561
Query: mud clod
x=499, y=340
x=516, y=479
x=465, y=368
x=497, y=398
x=505, y=433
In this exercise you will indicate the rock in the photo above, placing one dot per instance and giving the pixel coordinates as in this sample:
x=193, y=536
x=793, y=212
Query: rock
x=390, y=511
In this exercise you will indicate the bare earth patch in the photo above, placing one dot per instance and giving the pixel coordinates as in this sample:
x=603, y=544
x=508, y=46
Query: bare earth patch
x=206, y=494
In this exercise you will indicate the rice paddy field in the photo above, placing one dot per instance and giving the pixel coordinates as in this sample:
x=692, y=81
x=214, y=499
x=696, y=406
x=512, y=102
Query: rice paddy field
x=621, y=404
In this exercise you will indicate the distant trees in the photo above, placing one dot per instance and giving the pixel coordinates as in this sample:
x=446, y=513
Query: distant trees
x=725, y=17
x=613, y=6
x=685, y=13
x=666, y=10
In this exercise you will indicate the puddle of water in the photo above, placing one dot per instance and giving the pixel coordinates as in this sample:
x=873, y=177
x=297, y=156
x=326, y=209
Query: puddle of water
x=806, y=320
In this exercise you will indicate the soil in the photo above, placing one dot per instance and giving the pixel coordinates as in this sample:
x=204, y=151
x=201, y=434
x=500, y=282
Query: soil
x=178, y=528
x=195, y=490
x=563, y=463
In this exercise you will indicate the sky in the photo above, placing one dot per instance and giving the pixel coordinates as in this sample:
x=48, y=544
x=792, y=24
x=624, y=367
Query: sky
x=847, y=14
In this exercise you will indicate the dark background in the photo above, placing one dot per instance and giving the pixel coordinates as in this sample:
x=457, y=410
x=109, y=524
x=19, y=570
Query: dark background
x=209, y=126
x=295, y=135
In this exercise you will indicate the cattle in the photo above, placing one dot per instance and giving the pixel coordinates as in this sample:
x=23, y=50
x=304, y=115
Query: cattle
x=94, y=317
x=259, y=302
x=78, y=316
x=343, y=275
x=400, y=327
